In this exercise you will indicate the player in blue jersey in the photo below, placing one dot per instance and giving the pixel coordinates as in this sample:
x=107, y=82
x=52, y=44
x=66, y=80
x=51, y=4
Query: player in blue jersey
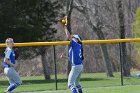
x=9, y=66
x=76, y=58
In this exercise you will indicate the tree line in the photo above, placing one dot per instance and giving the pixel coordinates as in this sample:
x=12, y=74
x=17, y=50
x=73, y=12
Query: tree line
x=37, y=20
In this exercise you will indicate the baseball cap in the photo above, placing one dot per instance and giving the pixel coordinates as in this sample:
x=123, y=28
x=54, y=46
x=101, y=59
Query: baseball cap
x=9, y=40
x=77, y=37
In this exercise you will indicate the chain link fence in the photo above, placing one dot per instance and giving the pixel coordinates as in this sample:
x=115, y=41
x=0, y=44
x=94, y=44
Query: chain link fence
x=35, y=62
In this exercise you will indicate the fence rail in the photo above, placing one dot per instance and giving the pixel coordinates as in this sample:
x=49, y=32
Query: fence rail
x=67, y=42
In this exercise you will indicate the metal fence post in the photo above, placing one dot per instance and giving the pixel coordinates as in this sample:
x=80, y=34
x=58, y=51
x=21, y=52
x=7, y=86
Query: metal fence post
x=54, y=52
x=121, y=63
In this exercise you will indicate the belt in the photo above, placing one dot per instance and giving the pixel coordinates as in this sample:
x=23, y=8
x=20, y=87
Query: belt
x=76, y=64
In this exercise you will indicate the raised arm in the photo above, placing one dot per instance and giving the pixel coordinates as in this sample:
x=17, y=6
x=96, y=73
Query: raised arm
x=63, y=21
x=68, y=35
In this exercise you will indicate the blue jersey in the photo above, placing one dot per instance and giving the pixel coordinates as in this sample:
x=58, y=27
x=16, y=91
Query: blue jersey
x=75, y=53
x=10, y=55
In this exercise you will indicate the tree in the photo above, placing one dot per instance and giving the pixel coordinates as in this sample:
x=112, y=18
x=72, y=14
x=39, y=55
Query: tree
x=136, y=30
x=136, y=26
x=28, y=21
x=84, y=8
x=126, y=66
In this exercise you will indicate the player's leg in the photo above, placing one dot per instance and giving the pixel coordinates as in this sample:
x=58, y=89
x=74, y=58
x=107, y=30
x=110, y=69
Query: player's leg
x=7, y=74
x=71, y=79
x=14, y=77
x=10, y=82
x=78, y=86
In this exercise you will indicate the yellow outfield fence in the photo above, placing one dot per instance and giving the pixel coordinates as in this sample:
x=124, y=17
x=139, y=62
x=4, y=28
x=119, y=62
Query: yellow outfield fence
x=28, y=44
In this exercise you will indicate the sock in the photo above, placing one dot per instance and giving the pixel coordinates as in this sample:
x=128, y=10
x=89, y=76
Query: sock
x=73, y=89
x=12, y=87
x=79, y=89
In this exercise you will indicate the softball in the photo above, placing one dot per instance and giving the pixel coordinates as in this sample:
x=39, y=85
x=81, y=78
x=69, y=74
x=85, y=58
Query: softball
x=63, y=21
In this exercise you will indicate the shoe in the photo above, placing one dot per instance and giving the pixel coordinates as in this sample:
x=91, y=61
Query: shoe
x=6, y=91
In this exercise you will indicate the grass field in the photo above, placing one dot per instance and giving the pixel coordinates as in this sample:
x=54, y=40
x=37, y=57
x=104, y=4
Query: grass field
x=125, y=89
x=92, y=83
x=120, y=89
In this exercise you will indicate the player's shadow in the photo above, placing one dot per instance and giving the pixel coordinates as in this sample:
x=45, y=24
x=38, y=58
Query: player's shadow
x=58, y=80
x=26, y=82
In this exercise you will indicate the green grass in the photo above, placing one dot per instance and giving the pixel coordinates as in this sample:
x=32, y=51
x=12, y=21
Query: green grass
x=124, y=89
x=91, y=82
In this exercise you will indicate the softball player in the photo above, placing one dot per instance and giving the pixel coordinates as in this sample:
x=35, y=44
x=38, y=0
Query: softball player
x=76, y=57
x=9, y=66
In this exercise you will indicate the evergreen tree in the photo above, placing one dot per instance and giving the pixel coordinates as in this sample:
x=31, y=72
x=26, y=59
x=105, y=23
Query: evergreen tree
x=29, y=21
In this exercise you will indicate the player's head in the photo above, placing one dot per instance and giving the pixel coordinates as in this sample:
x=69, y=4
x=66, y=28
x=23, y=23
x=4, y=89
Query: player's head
x=77, y=38
x=9, y=42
